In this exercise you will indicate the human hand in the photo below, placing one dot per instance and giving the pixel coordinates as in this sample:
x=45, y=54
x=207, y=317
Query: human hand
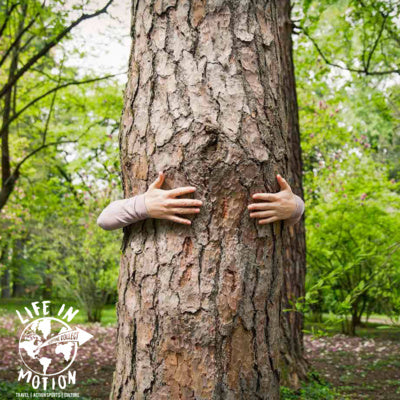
x=274, y=206
x=163, y=204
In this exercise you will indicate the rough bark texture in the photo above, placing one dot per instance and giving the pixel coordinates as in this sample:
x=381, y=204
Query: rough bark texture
x=209, y=100
x=294, y=366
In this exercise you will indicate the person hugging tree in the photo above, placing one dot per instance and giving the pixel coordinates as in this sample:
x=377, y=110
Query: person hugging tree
x=168, y=204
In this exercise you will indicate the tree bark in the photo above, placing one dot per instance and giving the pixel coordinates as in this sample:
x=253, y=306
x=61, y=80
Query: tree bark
x=209, y=100
x=294, y=366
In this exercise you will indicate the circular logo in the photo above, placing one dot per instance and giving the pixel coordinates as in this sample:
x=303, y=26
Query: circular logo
x=46, y=346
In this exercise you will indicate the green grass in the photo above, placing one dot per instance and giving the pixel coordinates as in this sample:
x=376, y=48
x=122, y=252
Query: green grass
x=8, y=306
x=314, y=389
x=369, y=330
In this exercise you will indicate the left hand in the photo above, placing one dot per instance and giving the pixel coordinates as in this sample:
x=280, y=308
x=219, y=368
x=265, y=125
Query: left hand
x=274, y=206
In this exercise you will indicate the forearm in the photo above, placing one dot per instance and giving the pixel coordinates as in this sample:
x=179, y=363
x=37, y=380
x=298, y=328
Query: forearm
x=122, y=213
x=298, y=212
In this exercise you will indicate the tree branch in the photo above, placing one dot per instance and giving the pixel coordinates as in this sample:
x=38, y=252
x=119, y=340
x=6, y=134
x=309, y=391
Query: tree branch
x=65, y=175
x=378, y=38
x=365, y=70
x=49, y=45
x=55, y=89
x=46, y=127
x=17, y=40
x=41, y=147
x=8, y=14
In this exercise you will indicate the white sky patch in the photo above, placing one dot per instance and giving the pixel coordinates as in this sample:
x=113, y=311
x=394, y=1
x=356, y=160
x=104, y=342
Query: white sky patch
x=105, y=40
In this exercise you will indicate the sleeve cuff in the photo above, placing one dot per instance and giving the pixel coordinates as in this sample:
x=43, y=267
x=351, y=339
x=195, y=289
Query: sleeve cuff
x=298, y=212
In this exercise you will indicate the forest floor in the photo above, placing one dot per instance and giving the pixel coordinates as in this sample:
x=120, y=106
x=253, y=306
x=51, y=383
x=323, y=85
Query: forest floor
x=362, y=367
x=366, y=366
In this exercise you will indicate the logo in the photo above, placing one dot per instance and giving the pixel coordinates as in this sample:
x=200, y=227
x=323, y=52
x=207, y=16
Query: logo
x=48, y=346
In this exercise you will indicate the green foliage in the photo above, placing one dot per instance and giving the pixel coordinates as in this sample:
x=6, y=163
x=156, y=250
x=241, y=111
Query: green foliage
x=350, y=141
x=353, y=35
x=62, y=137
x=52, y=213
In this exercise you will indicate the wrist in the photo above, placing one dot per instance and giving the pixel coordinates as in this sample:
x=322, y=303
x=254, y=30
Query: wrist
x=298, y=212
x=295, y=211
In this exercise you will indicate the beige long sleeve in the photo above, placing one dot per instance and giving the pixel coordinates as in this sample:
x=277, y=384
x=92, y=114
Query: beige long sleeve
x=120, y=213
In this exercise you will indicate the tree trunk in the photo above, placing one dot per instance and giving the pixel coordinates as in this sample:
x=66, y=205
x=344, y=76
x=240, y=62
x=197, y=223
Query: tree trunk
x=47, y=286
x=294, y=366
x=5, y=276
x=5, y=284
x=208, y=100
x=8, y=179
x=18, y=281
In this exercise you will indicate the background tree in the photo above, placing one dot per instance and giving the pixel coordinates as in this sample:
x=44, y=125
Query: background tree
x=349, y=118
x=30, y=78
x=210, y=100
x=55, y=250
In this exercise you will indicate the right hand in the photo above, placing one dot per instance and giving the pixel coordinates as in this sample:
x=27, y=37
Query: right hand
x=163, y=204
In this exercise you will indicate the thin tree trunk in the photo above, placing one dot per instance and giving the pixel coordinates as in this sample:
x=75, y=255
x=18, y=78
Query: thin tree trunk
x=18, y=284
x=18, y=281
x=5, y=284
x=208, y=100
x=7, y=179
x=294, y=366
x=5, y=276
x=47, y=287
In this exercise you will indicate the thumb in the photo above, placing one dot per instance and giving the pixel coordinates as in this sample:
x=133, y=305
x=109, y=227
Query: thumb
x=158, y=182
x=282, y=183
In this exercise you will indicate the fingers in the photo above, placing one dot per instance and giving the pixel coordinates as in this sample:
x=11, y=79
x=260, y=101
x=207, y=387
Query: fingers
x=267, y=220
x=283, y=183
x=262, y=206
x=262, y=214
x=185, y=210
x=158, y=182
x=185, y=203
x=265, y=196
x=179, y=220
x=181, y=191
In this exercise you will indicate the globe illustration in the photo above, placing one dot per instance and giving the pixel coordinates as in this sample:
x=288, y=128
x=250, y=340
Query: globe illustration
x=45, y=358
